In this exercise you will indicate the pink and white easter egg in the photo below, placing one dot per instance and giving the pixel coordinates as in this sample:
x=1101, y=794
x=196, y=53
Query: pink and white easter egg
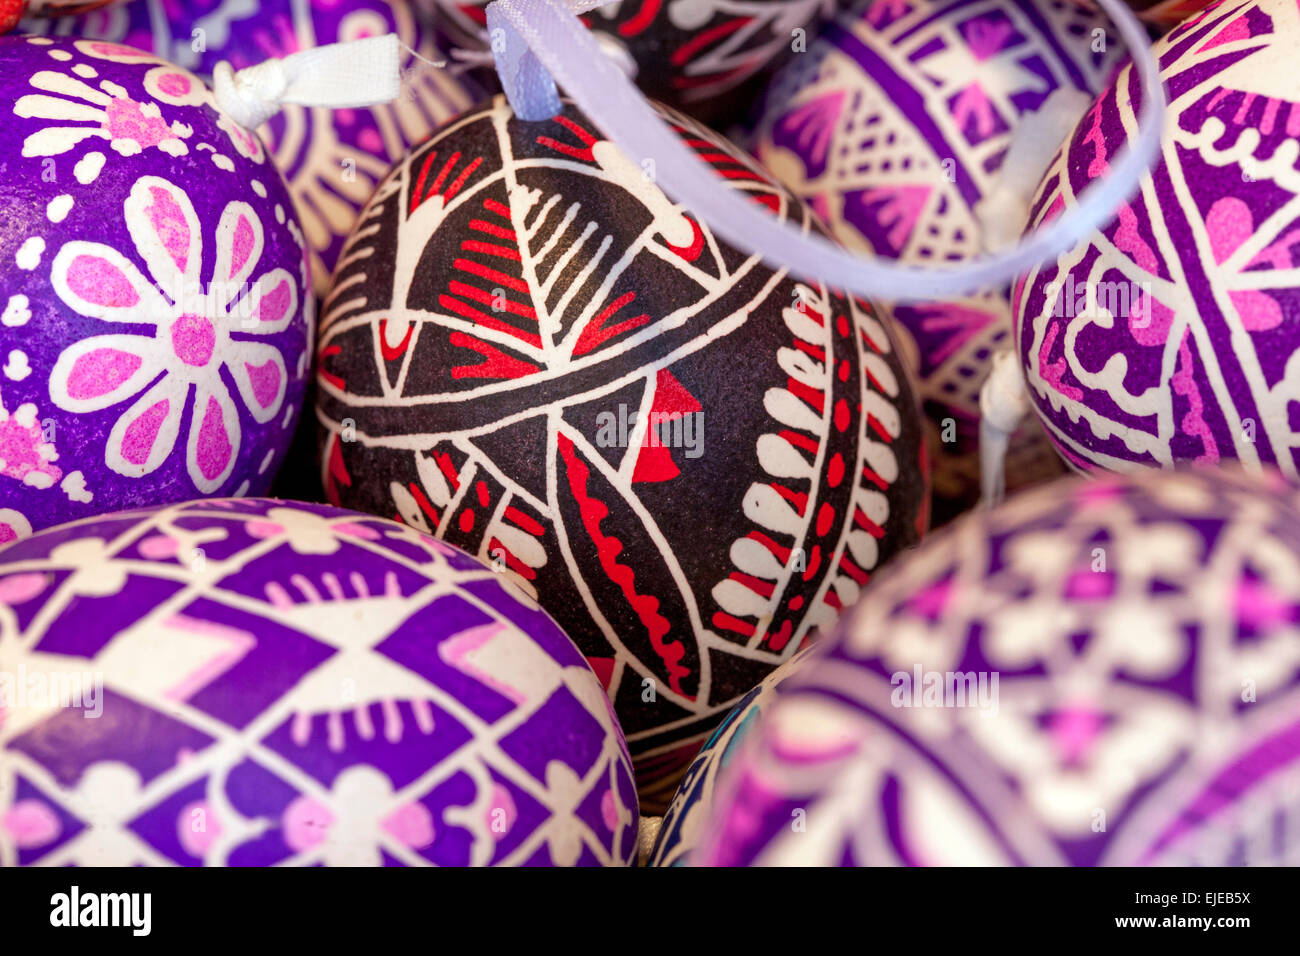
x=1096, y=673
x=154, y=324
x=1173, y=333
x=252, y=682
x=895, y=126
x=332, y=159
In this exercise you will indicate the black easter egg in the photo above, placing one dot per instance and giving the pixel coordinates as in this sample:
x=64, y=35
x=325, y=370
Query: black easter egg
x=692, y=459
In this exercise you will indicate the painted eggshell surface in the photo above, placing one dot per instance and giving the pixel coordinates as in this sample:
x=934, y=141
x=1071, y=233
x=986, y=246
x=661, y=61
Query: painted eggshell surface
x=894, y=127
x=700, y=56
x=1171, y=335
x=692, y=459
x=331, y=158
x=1095, y=673
x=154, y=321
x=690, y=813
x=251, y=682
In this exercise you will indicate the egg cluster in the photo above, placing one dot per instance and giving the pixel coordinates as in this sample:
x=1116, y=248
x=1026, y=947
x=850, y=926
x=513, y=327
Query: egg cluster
x=416, y=484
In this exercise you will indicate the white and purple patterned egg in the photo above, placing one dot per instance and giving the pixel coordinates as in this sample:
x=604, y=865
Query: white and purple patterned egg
x=1170, y=335
x=154, y=317
x=686, y=821
x=1096, y=673
x=894, y=127
x=332, y=159
x=251, y=682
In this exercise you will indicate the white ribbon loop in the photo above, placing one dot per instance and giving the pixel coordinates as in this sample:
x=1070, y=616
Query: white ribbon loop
x=546, y=37
x=339, y=75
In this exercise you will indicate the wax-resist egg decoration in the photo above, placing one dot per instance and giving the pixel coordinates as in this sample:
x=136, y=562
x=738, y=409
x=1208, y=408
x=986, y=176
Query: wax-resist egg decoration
x=251, y=682
x=691, y=458
x=332, y=158
x=700, y=56
x=1160, y=12
x=154, y=317
x=12, y=11
x=894, y=126
x=1171, y=334
x=1095, y=673
x=684, y=823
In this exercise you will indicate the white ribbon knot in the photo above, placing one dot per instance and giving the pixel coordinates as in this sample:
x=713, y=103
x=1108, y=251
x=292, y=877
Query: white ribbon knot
x=339, y=75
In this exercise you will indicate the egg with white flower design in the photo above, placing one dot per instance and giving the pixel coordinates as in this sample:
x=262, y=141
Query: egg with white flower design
x=154, y=316
x=251, y=682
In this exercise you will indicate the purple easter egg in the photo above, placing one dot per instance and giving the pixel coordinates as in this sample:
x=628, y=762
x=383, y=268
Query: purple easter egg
x=692, y=458
x=894, y=127
x=154, y=315
x=1095, y=673
x=332, y=159
x=1171, y=334
x=252, y=682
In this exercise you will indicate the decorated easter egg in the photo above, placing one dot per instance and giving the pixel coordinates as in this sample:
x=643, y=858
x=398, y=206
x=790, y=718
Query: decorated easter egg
x=11, y=11
x=1160, y=12
x=691, y=458
x=1171, y=334
x=683, y=825
x=1096, y=673
x=700, y=56
x=154, y=317
x=332, y=159
x=251, y=682
x=894, y=127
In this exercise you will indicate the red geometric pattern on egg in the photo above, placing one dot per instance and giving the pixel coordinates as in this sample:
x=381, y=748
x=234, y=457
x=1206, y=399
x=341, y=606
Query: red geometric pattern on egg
x=516, y=298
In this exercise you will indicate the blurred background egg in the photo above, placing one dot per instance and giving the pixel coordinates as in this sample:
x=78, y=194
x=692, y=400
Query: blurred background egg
x=154, y=309
x=250, y=682
x=691, y=458
x=1096, y=673
x=1171, y=335
x=703, y=57
x=688, y=816
x=894, y=127
x=332, y=158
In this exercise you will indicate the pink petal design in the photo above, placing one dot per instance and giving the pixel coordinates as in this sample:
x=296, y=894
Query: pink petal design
x=143, y=438
x=410, y=824
x=197, y=827
x=18, y=588
x=102, y=370
x=502, y=812
x=165, y=230
x=261, y=377
x=272, y=304
x=100, y=282
x=214, y=438
x=1228, y=224
x=32, y=823
x=240, y=242
x=306, y=824
x=1259, y=311
x=13, y=526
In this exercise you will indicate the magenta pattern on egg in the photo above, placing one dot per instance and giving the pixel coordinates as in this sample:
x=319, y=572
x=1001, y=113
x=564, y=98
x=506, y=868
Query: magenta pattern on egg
x=154, y=319
x=332, y=159
x=246, y=682
x=1097, y=673
x=894, y=127
x=1170, y=336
